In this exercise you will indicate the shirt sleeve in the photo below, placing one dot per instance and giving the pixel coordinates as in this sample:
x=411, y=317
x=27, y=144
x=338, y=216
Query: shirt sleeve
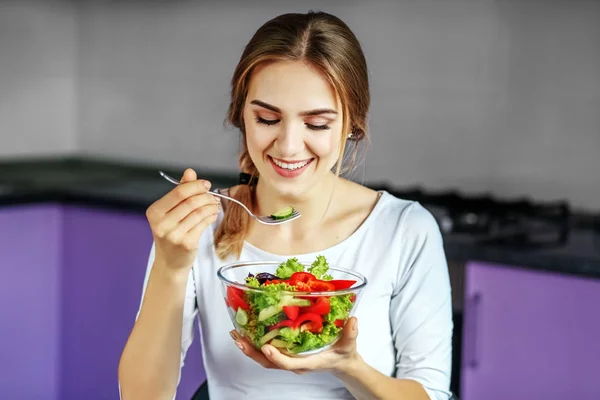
x=190, y=310
x=421, y=305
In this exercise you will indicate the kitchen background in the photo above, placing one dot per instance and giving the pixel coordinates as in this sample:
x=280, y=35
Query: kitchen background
x=471, y=98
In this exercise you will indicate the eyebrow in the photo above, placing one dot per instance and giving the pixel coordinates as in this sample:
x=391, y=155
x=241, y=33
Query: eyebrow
x=309, y=113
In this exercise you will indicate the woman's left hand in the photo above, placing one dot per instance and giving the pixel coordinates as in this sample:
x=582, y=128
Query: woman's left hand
x=340, y=356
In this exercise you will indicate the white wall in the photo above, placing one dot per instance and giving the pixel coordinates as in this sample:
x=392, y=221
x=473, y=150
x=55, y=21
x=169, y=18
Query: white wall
x=37, y=78
x=499, y=95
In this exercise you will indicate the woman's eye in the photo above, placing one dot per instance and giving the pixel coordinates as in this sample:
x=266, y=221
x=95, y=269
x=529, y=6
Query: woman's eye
x=317, y=127
x=266, y=121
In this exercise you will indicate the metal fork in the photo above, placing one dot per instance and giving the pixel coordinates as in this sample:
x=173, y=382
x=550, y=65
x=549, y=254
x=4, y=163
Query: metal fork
x=265, y=219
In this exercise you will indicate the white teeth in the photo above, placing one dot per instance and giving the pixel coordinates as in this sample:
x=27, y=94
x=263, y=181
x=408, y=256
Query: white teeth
x=290, y=166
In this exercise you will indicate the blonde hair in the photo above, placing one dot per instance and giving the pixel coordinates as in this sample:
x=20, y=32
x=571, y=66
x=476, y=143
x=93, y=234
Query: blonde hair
x=325, y=42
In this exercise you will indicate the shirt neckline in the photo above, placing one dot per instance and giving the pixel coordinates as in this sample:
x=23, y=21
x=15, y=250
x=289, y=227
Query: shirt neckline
x=338, y=246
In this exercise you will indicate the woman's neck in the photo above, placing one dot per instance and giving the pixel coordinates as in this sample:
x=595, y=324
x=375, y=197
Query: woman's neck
x=313, y=205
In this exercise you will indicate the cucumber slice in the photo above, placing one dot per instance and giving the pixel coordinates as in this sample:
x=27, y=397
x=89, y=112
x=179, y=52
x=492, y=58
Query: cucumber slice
x=299, y=302
x=283, y=213
x=241, y=317
x=281, y=343
x=269, y=312
x=271, y=335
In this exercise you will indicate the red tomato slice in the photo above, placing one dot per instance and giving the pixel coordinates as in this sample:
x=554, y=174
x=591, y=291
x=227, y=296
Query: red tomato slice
x=291, y=311
x=236, y=299
x=339, y=323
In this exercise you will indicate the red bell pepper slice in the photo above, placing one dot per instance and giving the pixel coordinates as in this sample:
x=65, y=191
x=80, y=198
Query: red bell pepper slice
x=341, y=284
x=315, y=319
x=273, y=282
x=312, y=327
x=302, y=277
x=321, y=286
x=286, y=322
x=321, y=307
x=339, y=323
x=301, y=286
x=353, y=298
x=291, y=311
x=236, y=300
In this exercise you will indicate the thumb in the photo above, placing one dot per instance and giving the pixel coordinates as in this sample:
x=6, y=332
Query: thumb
x=189, y=175
x=348, y=341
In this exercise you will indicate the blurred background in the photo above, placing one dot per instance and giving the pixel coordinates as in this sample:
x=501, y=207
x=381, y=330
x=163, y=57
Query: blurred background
x=485, y=111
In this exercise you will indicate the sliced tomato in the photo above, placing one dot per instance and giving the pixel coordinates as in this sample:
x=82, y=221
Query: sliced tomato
x=291, y=311
x=236, y=299
x=273, y=282
x=339, y=323
x=321, y=286
x=314, y=318
x=341, y=284
x=353, y=298
x=320, y=307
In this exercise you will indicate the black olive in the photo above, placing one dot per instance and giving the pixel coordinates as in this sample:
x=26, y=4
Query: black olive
x=264, y=276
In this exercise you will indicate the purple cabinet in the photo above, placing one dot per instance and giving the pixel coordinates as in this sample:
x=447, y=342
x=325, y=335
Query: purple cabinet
x=530, y=335
x=30, y=247
x=105, y=259
x=70, y=289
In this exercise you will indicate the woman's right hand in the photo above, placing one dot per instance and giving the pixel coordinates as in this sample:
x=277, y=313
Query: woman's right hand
x=179, y=218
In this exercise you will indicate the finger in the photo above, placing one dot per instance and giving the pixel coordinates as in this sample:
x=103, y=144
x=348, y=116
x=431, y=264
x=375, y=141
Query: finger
x=284, y=362
x=179, y=194
x=347, y=342
x=189, y=175
x=250, y=351
x=192, y=238
x=184, y=228
x=174, y=218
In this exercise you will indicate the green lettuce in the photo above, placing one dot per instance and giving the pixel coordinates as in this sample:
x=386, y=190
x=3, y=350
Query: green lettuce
x=319, y=269
x=340, y=308
x=287, y=268
x=310, y=341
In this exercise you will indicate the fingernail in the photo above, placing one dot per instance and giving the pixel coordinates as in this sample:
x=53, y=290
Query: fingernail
x=354, y=327
x=239, y=345
x=207, y=185
x=234, y=335
x=266, y=351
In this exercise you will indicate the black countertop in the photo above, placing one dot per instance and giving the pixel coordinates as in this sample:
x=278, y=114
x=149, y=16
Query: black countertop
x=133, y=188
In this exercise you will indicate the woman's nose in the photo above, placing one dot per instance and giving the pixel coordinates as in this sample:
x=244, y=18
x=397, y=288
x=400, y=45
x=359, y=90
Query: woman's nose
x=290, y=140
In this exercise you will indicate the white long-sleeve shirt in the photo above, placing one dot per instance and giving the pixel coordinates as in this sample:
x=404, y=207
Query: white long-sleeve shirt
x=404, y=316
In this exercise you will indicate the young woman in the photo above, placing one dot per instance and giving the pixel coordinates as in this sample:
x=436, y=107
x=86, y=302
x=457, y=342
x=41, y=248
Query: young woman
x=299, y=95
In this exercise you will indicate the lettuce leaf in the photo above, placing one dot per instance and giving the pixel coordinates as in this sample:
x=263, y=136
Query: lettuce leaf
x=319, y=269
x=287, y=268
x=340, y=307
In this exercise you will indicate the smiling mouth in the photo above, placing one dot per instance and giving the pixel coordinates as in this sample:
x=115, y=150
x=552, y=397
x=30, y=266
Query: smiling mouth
x=290, y=166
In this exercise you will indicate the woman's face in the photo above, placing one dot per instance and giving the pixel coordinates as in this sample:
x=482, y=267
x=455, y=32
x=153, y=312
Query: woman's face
x=293, y=123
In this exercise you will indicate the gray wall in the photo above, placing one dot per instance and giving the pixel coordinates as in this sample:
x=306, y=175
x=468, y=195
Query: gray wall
x=37, y=78
x=497, y=95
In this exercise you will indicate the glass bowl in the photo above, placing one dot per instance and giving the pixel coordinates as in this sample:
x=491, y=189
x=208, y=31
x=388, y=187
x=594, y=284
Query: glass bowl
x=299, y=321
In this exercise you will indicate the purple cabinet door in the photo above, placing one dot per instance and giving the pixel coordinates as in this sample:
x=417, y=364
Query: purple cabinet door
x=30, y=302
x=530, y=335
x=105, y=257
